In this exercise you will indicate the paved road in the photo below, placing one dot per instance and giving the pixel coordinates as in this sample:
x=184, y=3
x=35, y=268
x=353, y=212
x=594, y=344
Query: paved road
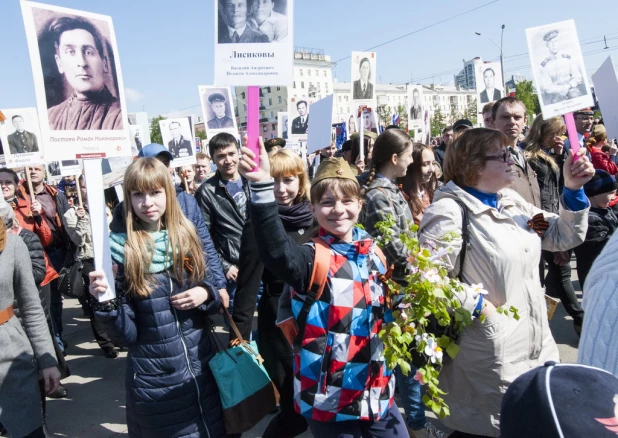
x=95, y=407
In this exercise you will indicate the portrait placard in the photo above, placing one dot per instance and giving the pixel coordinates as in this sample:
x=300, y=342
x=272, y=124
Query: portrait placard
x=351, y=125
x=415, y=102
x=558, y=68
x=141, y=119
x=22, y=138
x=363, y=76
x=367, y=118
x=606, y=88
x=71, y=167
x=137, y=141
x=489, y=87
x=218, y=110
x=253, y=42
x=320, y=135
x=77, y=81
x=282, y=126
x=113, y=170
x=53, y=170
x=298, y=111
x=177, y=135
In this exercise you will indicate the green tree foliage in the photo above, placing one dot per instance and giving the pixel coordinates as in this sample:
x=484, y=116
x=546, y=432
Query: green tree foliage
x=471, y=112
x=200, y=134
x=155, y=130
x=385, y=115
x=438, y=123
x=525, y=93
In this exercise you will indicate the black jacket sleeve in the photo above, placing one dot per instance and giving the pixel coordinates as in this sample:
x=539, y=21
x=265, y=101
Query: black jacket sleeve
x=35, y=249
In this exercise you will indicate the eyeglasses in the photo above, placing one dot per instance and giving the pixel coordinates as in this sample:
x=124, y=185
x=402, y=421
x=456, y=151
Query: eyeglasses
x=504, y=157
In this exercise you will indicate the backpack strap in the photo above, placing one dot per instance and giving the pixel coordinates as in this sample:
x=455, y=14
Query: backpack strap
x=319, y=276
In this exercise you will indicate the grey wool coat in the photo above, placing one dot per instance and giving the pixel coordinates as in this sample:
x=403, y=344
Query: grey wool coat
x=23, y=352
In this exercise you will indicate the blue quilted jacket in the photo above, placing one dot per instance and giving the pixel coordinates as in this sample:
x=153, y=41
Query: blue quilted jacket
x=170, y=390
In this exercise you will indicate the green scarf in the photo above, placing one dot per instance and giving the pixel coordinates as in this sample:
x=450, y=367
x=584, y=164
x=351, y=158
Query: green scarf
x=161, y=259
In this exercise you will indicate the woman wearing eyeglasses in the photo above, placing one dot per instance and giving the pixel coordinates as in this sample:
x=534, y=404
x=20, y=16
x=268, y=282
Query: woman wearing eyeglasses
x=505, y=237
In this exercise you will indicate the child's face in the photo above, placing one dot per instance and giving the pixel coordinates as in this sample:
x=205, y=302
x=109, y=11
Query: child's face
x=602, y=200
x=337, y=214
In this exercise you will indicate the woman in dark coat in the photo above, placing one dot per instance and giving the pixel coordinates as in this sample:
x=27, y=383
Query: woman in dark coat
x=546, y=155
x=292, y=195
x=162, y=302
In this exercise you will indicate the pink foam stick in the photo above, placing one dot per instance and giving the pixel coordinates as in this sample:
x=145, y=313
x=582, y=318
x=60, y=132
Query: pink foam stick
x=572, y=133
x=253, y=122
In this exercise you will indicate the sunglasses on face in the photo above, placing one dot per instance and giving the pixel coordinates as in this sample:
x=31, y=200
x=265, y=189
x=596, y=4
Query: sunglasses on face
x=504, y=157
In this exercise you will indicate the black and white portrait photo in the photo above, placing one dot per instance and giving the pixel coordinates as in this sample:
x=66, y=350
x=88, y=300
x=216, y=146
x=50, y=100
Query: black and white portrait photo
x=363, y=75
x=78, y=81
x=218, y=110
x=283, y=126
x=558, y=68
x=137, y=141
x=299, y=108
x=489, y=82
x=53, y=169
x=22, y=137
x=177, y=136
x=416, y=104
x=252, y=21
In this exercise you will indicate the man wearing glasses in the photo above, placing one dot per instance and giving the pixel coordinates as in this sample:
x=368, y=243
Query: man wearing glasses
x=584, y=119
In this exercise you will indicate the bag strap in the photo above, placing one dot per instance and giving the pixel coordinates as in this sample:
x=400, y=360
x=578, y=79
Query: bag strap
x=465, y=236
x=227, y=316
x=319, y=276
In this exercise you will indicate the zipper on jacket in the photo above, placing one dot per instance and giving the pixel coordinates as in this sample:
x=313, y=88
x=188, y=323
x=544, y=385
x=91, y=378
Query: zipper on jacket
x=186, y=353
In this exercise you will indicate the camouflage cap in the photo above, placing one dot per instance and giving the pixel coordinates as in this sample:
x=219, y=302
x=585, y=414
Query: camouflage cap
x=272, y=142
x=334, y=168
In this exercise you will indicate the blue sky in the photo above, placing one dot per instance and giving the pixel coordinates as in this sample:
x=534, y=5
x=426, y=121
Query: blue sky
x=166, y=46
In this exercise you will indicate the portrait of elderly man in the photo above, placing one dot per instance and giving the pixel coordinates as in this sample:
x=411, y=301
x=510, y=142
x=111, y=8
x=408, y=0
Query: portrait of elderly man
x=81, y=58
x=264, y=19
x=561, y=76
x=218, y=107
x=178, y=146
x=236, y=29
x=21, y=141
x=363, y=89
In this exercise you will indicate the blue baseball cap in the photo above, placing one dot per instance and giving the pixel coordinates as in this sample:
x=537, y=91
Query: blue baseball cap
x=154, y=149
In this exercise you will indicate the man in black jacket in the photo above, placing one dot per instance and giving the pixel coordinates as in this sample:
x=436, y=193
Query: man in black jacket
x=223, y=200
x=440, y=151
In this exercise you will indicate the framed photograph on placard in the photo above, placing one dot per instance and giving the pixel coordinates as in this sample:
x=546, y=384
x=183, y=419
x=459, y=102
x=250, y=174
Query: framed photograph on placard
x=415, y=100
x=298, y=111
x=351, y=125
x=22, y=138
x=367, y=118
x=141, y=119
x=558, y=68
x=177, y=135
x=283, y=130
x=81, y=103
x=489, y=87
x=253, y=42
x=363, y=76
x=53, y=170
x=71, y=167
x=218, y=110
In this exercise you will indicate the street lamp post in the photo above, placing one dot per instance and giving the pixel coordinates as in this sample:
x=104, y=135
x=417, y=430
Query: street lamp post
x=499, y=48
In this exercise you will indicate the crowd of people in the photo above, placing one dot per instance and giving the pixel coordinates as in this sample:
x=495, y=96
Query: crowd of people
x=251, y=232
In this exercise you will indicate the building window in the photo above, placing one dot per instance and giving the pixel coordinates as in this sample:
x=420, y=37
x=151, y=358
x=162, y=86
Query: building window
x=265, y=128
x=280, y=100
x=340, y=110
x=278, y=88
x=245, y=105
x=340, y=99
x=317, y=72
x=272, y=115
x=325, y=74
x=326, y=88
x=301, y=71
x=270, y=101
x=274, y=126
x=346, y=97
x=318, y=85
x=243, y=95
x=302, y=85
x=308, y=72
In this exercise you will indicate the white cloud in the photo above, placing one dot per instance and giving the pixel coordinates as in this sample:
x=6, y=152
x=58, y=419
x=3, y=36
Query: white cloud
x=133, y=96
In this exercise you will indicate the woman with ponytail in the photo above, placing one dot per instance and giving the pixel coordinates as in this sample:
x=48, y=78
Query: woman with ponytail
x=162, y=300
x=421, y=180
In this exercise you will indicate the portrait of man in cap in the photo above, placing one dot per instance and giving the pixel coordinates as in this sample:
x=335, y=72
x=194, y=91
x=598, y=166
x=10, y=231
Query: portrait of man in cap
x=21, y=141
x=234, y=27
x=76, y=60
x=561, y=75
x=219, y=108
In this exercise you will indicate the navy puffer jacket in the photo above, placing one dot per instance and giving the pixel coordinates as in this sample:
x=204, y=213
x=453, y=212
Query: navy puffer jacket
x=171, y=391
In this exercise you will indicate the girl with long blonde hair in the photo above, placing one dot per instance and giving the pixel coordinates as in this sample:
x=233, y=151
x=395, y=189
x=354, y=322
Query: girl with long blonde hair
x=159, y=313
